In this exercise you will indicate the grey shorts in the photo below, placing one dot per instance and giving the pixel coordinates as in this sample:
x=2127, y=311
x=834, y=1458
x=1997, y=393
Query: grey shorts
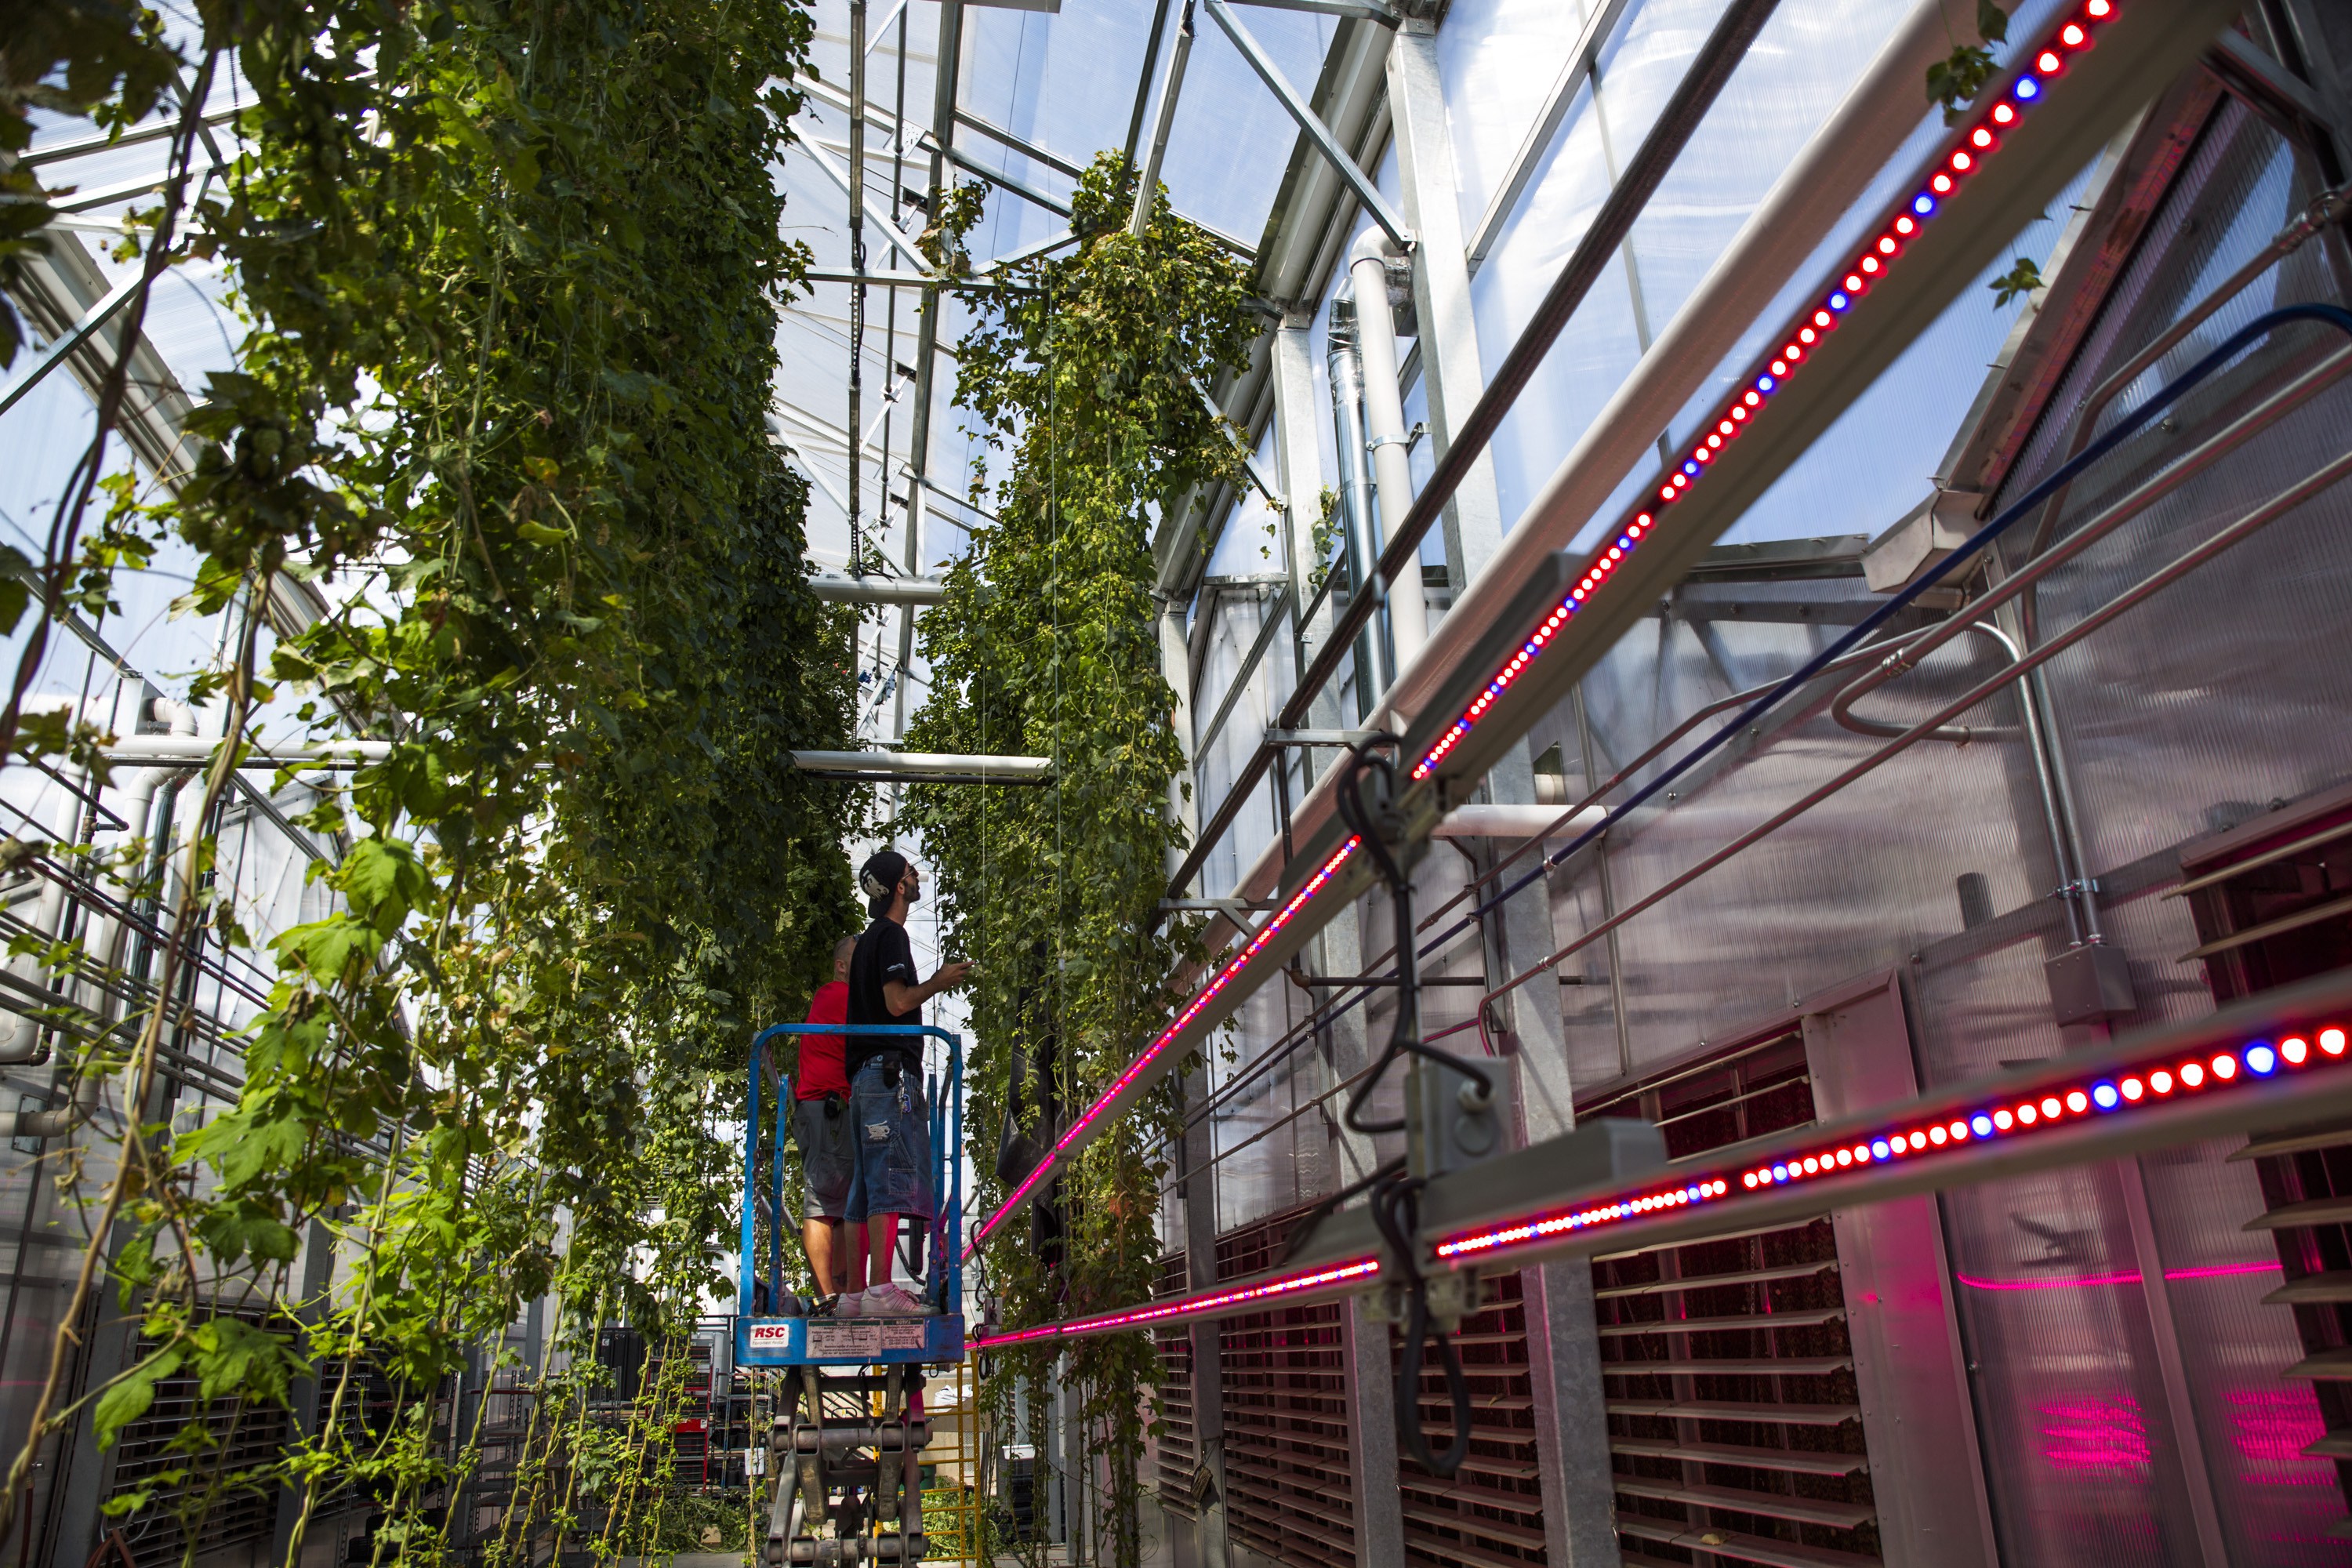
x=893, y=1129
x=828, y=1156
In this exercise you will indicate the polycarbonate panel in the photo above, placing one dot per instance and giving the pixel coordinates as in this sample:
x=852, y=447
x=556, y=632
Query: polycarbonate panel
x=2257, y=1422
x=2078, y=1445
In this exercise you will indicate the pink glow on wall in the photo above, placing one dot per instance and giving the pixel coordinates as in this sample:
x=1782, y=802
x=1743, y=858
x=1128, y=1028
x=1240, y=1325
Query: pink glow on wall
x=2130, y=1276
x=2271, y=1427
x=2103, y=1437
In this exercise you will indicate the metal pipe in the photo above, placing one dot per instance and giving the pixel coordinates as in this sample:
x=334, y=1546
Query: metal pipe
x=1385, y=436
x=856, y=192
x=844, y=590
x=2261, y=517
x=922, y=764
x=1344, y=374
x=1147, y=184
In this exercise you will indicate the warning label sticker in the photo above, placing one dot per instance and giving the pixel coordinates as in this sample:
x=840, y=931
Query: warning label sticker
x=845, y=1339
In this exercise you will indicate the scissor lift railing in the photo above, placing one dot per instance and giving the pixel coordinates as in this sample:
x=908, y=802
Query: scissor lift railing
x=851, y=1429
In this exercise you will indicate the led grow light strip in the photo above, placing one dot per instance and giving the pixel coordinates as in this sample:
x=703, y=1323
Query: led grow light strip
x=1879, y=253
x=1357, y=1270
x=2115, y=1092
x=1083, y=1127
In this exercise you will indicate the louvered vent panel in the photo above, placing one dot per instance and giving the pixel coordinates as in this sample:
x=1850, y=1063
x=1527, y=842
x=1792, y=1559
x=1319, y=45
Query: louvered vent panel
x=1175, y=1449
x=2283, y=919
x=1491, y=1513
x=241, y=1438
x=1288, y=1493
x=1735, y=1430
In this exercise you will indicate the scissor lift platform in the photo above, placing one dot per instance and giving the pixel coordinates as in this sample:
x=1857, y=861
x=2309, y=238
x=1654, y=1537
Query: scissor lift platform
x=844, y=1452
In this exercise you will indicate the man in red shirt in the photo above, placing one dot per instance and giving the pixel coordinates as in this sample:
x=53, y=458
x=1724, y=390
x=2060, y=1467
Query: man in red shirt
x=822, y=1124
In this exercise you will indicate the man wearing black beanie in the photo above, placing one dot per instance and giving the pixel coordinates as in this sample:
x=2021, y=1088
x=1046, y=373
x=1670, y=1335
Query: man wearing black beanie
x=892, y=1122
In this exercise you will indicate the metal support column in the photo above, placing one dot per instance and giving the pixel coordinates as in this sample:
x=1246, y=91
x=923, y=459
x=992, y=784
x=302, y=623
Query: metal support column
x=1199, y=1190
x=1298, y=418
x=1450, y=365
x=1364, y=1343
x=1176, y=669
x=1564, y=1347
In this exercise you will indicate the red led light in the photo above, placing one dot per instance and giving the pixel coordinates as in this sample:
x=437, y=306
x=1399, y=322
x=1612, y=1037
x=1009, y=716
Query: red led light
x=2098, y=7
x=2295, y=1050
x=2072, y=35
x=2077, y=1101
x=2003, y=1119
x=2046, y=62
x=1980, y=138
x=2331, y=1040
x=2161, y=1081
x=2028, y=1115
x=2192, y=1075
x=1961, y=160
x=1869, y=264
x=2133, y=1088
x=2225, y=1068
x=1942, y=183
x=1190, y=1306
x=1854, y=284
x=1192, y=1010
x=2003, y=113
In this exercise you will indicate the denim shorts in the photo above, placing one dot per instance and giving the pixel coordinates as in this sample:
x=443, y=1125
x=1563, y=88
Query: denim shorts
x=892, y=1127
x=828, y=1157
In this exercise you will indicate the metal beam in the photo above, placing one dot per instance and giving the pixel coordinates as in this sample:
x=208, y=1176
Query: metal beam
x=1030, y=149
x=924, y=766
x=1369, y=10
x=1313, y=127
x=838, y=588
x=58, y=352
x=1147, y=184
x=1521, y=169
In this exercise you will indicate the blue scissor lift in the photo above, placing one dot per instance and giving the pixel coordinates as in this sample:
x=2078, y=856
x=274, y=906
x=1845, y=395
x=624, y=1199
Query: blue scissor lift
x=835, y=1460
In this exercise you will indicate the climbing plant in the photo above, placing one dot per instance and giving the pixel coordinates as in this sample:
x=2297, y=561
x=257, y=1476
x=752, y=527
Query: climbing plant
x=511, y=274
x=1085, y=372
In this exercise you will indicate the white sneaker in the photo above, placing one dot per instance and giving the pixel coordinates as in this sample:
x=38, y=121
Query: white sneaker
x=890, y=1301
x=846, y=1304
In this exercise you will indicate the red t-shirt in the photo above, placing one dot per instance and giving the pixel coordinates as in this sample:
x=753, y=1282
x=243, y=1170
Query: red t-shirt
x=820, y=1071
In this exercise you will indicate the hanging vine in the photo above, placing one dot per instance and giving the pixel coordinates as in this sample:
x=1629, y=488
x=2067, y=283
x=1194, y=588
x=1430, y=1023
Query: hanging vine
x=511, y=273
x=1046, y=644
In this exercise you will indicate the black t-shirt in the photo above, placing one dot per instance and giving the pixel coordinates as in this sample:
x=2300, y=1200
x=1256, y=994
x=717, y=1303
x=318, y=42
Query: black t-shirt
x=883, y=953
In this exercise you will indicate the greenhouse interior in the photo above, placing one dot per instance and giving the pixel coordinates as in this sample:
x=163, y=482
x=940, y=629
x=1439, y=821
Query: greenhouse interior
x=1044, y=781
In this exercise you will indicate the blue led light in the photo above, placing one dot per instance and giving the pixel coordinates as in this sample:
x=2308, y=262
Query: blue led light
x=1624, y=542
x=1923, y=205
x=2104, y=1096
x=1765, y=383
x=1878, y=1149
x=1691, y=468
x=1779, y=1172
x=1980, y=1124
x=2028, y=90
x=1838, y=301
x=2261, y=1058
